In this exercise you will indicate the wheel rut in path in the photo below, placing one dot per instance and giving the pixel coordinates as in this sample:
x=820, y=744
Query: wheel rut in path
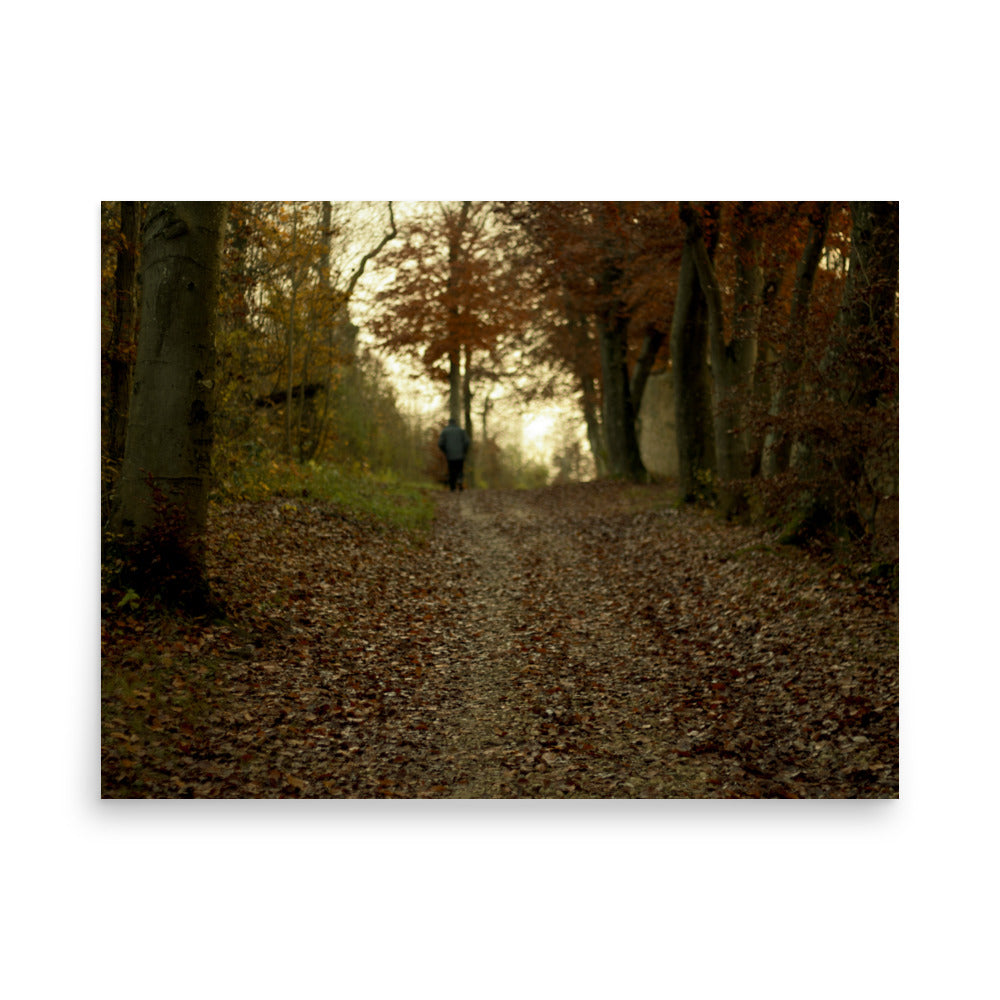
x=481, y=541
x=592, y=641
x=531, y=634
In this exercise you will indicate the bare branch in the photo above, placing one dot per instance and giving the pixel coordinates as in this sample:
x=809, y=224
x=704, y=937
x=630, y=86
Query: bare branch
x=368, y=256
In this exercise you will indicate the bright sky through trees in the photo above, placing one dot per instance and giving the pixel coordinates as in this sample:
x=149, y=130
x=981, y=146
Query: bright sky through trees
x=537, y=429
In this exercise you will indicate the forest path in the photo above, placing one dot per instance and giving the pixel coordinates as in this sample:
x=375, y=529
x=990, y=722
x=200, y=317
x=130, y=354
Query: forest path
x=473, y=538
x=532, y=643
x=597, y=642
x=523, y=601
x=588, y=640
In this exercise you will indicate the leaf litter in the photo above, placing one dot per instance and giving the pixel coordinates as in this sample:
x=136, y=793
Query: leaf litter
x=581, y=641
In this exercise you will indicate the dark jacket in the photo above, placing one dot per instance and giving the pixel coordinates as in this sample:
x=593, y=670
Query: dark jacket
x=454, y=442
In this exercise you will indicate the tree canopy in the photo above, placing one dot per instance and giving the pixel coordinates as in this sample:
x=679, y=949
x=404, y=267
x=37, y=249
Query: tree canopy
x=776, y=323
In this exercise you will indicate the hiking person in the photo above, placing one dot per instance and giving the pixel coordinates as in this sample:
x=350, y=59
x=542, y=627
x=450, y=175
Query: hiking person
x=454, y=442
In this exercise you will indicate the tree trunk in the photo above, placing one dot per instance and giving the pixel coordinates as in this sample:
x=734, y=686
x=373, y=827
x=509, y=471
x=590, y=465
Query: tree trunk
x=121, y=349
x=290, y=334
x=581, y=352
x=487, y=404
x=595, y=432
x=740, y=357
x=864, y=355
x=467, y=408
x=620, y=437
x=867, y=317
x=651, y=345
x=455, y=385
x=732, y=363
x=764, y=381
x=454, y=332
x=326, y=320
x=692, y=388
x=858, y=374
x=163, y=495
x=300, y=428
x=777, y=445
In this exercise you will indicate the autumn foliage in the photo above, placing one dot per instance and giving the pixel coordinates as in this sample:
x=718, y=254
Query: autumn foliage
x=335, y=626
x=585, y=641
x=778, y=322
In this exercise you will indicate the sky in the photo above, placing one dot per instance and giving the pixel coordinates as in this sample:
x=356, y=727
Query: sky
x=537, y=430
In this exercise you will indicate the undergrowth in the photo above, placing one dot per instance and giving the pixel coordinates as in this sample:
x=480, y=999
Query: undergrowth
x=397, y=505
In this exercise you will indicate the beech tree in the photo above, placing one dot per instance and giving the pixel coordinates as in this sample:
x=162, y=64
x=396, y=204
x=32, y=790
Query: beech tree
x=860, y=370
x=119, y=323
x=733, y=346
x=121, y=350
x=618, y=269
x=576, y=348
x=163, y=489
x=692, y=385
x=452, y=299
x=620, y=414
x=777, y=445
x=460, y=228
x=585, y=264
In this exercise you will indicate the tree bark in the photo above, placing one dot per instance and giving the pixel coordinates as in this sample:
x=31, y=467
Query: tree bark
x=866, y=375
x=651, y=345
x=290, y=331
x=595, y=432
x=866, y=319
x=692, y=388
x=620, y=437
x=455, y=385
x=453, y=311
x=327, y=317
x=121, y=349
x=732, y=363
x=580, y=352
x=739, y=359
x=858, y=374
x=163, y=492
x=777, y=445
x=467, y=409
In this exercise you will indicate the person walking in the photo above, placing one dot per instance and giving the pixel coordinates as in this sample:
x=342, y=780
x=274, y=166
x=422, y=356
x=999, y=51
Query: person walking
x=454, y=442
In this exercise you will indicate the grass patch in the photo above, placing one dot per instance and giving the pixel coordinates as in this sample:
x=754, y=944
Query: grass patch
x=402, y=506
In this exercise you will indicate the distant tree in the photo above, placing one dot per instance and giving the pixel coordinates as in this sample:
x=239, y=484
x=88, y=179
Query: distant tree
x=575, y=345
x=163, y=490
x=592, y=264
x=619, y=413
x=451, y=299
x=287, y=342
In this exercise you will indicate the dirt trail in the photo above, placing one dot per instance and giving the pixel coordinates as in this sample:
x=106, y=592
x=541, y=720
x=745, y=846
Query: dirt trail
x=519, y=638
x=475, y=545
x=581, y=662
x=577, y=641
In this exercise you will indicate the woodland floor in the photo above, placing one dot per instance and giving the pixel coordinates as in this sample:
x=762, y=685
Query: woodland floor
x=585, y=641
